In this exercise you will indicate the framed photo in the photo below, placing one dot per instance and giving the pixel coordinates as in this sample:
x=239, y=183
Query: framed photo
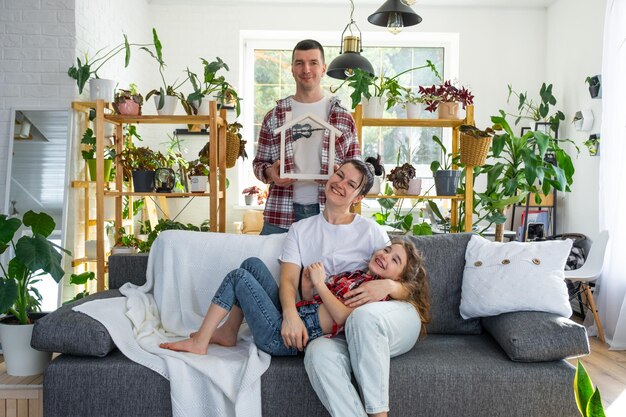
x=535, y=231
x=524, y=130
x=545, y=128
x=307, y=127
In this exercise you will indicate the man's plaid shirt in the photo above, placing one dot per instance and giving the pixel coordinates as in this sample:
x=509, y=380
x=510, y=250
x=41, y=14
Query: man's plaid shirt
x=279, y=204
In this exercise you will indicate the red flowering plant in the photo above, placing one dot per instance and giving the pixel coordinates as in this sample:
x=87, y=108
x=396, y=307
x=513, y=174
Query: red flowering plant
x=251, y=190
x=446, y=92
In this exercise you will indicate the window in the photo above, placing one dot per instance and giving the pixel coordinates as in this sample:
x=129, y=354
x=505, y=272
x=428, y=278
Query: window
x=267, y=78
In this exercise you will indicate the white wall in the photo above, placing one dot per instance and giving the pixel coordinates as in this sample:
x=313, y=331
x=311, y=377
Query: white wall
x=37, y=47
x=575, y=30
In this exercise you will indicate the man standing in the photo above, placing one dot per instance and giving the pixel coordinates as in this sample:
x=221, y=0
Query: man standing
x=291, y=200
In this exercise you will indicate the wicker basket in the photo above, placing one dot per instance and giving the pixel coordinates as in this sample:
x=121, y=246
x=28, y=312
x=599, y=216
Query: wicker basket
x=233, y=145
x=474, y=150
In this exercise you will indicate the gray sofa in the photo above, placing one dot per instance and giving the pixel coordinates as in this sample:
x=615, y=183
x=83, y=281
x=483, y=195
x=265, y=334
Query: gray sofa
x=504, y=366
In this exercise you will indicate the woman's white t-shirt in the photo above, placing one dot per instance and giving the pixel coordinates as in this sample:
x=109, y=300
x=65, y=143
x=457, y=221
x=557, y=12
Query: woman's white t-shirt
x=343, y=247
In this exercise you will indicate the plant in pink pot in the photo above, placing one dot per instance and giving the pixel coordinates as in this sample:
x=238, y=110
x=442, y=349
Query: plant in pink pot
x=128, y=102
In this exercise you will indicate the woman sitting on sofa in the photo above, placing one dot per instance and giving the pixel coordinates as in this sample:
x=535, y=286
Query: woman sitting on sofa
x=343, y=241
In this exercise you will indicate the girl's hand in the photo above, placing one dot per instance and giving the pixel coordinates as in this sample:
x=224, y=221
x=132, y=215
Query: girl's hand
x=367, y=292
x=316, y=273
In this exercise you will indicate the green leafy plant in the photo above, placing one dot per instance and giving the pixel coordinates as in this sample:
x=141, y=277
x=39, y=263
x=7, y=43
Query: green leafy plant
x=165, y=224
x=537, y=111
x=166, y=89
x=211, y=83
x=139, y=159
x=126, y=240
x=89, y=67
x=520, y=167
x=198, y=167
x=592, y=144
x=363, y=83
x=446, y=158
x=80, y=279
x=390, y=214
x=34, y=257
x=89, y=139
x=588, y=400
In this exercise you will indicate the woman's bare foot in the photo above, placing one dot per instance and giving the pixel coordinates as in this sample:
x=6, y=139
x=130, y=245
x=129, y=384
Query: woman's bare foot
x=187, y=345
x=224, y=337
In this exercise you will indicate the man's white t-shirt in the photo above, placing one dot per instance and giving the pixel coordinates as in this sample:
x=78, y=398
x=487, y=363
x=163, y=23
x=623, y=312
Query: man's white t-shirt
x=307, y=152
x=343, y=247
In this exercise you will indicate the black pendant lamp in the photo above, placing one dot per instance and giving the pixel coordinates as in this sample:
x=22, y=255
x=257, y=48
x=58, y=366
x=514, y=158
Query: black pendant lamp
x=349, y=54
x=395, y=15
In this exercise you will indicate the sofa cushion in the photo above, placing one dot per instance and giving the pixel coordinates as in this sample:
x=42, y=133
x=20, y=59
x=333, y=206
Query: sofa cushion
x=74, y=333
x=444, y=259
x=533, y=336
x=514, y=276
x=127, y=267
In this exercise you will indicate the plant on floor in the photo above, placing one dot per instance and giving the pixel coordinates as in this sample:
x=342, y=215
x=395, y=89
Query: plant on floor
x=589, y=402
x=537, y=111
x=34, y=256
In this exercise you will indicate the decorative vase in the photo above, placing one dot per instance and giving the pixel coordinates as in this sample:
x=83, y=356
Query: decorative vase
x=448, y=110
x=169, y=106
x=91, y=163
x=198, y=183
x=446, y=182
x=128, y=108
x=143, y=181
x=413, y=110
x=20, y=358
x=373, y=107
x=101, y=89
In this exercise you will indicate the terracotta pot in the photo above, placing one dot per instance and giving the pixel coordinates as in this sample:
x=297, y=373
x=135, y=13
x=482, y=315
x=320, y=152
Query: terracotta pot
x=448, y=110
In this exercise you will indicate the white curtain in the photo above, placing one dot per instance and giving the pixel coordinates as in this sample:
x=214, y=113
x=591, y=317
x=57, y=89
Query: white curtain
x=612, y=284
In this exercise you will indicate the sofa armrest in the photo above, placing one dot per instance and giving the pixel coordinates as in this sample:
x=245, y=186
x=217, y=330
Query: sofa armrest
x=532, y=336
x=125, y=268
x=67, y=331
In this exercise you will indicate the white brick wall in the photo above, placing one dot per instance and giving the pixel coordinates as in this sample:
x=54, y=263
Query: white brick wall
x=37, y=39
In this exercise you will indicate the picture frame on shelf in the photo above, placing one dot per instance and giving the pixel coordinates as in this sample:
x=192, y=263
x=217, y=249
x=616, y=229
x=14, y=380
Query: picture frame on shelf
x=544, y=127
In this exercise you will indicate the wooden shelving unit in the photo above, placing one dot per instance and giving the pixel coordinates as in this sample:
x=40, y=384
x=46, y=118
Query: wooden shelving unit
x=456, y=140
x=217, y=125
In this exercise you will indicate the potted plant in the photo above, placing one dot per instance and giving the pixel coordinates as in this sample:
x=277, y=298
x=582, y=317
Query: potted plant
x=446, y=178
x=198, y=101
x=400, y=177
x=412, y=103
x=125, y=243
x=167, y=96
x=520, y=167
x=445, y=99
x=82, y=72
x=34, y=255
x=250, y=193
x=475, y=144
x=537, y=111
x=128, y=102
x=379, y=173
x=81, y=279
x=391, y=215
x=140, y=164
x=588, y=400
x=593, y=144
x=89, y=155
x=198, y=172
x=595, y=85
x=384, y=88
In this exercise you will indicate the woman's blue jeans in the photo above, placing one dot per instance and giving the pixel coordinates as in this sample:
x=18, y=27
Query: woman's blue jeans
x=252, y=288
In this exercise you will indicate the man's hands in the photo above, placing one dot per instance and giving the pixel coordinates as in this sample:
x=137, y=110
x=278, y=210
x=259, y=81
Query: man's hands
x=293, y=331
x=368, y=292
x=272, y=173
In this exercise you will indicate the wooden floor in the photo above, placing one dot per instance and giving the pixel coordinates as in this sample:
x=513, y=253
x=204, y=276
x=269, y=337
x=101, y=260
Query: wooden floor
x=607, y=369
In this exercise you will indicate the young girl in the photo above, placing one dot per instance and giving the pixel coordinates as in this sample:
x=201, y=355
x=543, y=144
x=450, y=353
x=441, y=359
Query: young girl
x=253, y=289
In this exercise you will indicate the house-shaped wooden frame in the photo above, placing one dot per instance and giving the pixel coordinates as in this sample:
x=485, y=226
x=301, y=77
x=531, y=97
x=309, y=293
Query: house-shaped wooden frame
x=334, y=132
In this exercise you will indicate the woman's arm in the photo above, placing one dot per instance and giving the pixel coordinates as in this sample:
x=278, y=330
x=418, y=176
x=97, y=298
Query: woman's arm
x=375, y=290
x=293, y=330
x=337, y=310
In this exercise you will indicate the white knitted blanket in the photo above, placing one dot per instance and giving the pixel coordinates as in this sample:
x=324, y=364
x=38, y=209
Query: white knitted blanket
x=184, y=271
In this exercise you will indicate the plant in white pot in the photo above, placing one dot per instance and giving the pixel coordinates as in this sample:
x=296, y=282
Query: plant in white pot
x=379, y=173
x=198, y=173
x=412, y=103
x=250, y=193
x=197, y=102
x=33, y=257
x=166, y=97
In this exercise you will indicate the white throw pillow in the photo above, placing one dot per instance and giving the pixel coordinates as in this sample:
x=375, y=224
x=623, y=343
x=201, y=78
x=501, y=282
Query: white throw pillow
x=514, y=276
